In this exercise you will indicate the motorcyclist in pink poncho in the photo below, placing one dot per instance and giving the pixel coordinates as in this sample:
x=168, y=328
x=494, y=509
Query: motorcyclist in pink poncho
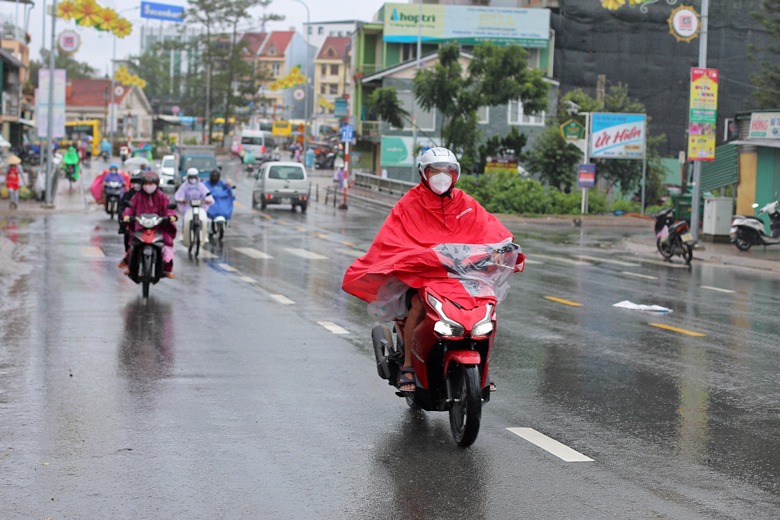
x=151, y=199
x=193, y=189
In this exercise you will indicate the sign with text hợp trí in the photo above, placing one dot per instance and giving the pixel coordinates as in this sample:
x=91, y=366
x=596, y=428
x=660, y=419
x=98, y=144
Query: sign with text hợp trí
x=704, y=114
x=618, y=136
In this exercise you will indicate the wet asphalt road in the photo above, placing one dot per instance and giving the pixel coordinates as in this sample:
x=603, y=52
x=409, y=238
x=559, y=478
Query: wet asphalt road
x=219, y=398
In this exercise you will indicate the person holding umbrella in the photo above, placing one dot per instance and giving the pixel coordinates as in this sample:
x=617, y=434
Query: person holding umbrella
x=12, y=180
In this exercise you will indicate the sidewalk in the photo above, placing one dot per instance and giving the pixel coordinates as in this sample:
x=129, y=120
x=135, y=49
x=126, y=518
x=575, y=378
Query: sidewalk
x=725, y=254
x=67, y=199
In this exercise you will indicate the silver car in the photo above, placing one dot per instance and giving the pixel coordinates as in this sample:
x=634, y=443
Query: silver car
x=167, y=170
x=281, y=183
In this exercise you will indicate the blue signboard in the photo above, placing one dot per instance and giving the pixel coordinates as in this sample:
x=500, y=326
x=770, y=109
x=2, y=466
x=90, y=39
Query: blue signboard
x=586, y=176
x=347, y=133
x=168, y=13
x=341, y=107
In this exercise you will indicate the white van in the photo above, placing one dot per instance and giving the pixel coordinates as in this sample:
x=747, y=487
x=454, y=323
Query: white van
x=260, y=142
x=281, y=183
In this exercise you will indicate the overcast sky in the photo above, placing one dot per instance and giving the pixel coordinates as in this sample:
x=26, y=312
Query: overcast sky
x=96, y=46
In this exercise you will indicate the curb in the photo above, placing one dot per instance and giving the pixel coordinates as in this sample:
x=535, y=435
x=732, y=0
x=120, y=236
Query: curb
x=643, y=249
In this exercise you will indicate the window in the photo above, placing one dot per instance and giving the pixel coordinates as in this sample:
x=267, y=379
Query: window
x=290, y=173
x=516, y=115
x=334, y=88
x=334, y=70
x=408, y=51
x=256, y=141
x=323, y=70
x=533, y=58
x=483, y=115
x=323, y=88
x=320, y=30
x=276, y=69
x=426, y=120
x=309, y=30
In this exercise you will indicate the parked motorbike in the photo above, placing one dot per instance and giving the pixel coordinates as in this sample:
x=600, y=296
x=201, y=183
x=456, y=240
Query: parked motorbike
x=325, y=161
x=673, y=238
x=112, y=192
x=747, y=231
x=452, y=346
x=146, y=257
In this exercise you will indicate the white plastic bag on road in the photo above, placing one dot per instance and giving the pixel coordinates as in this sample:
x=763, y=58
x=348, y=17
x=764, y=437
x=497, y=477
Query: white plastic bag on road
x=625, y=304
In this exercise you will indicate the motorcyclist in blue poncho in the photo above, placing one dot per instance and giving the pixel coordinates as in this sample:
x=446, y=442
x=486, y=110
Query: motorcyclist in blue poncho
x=223, y=196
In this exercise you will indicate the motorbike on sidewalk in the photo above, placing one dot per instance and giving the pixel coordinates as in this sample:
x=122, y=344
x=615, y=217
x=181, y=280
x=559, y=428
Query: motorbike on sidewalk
x=112, y=192
x=747, y=231
x=452, y=346
x=146, y=256
x=673, y=238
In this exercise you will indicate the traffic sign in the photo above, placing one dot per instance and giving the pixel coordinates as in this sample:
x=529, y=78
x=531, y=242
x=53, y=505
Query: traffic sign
x=347, y=133
x=572, y=130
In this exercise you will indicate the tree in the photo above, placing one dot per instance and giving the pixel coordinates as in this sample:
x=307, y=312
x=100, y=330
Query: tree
x=495, y=76
x=553, y=158
x=768, y=80
x=384, y=103
x=74, y=69
x=154, y=66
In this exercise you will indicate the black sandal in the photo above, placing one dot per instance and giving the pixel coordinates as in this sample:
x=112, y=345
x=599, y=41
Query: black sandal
x=404, y=379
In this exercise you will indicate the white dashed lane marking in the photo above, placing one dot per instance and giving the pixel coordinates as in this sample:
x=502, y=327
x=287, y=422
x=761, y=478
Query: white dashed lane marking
x=247, y=279
x=253, y=253
x=717, y=289
x=648, y=277
x=564, y=260
x=533, y=262
x=335, y=329
x=282, y=299
x=306, y=254
x=561, y=451
x=227, y=267
x=92, y=252
x=608, y=261
x=351, y=252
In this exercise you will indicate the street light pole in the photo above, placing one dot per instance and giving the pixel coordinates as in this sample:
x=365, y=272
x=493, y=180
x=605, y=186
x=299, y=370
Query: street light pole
x=695, y=210
x=306, y=98
x=50, y=111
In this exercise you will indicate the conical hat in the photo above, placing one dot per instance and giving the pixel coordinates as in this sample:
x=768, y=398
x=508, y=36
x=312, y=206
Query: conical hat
x=14, y=160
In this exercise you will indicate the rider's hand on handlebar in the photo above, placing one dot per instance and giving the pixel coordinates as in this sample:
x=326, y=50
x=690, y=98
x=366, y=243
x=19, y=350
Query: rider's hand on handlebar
x=497, y=258
x=126, y=219
x=173, y=218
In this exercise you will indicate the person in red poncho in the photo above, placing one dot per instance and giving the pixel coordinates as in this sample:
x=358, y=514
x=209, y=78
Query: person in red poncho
x=431, y=213
x=151, y=199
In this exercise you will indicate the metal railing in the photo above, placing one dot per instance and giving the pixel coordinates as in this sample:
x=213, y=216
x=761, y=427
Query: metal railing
x=369, y=128
x=374, y=182
x=12, y=32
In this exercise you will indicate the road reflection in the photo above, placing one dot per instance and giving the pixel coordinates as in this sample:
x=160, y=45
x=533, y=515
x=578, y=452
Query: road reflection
x=146, y=347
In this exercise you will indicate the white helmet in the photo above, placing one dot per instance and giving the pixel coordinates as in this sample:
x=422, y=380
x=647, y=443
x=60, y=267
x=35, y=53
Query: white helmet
x=438, y=158
x=192, y=172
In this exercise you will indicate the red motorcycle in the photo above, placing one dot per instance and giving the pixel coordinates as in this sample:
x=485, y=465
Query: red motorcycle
x=452, y=346
x=146, y=255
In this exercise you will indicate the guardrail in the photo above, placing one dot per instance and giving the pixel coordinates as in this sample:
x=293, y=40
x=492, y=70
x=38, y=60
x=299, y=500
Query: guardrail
x=374, y=182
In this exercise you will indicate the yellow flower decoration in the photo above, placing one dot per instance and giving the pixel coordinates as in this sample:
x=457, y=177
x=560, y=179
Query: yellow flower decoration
x=65, y=10
x=122, y=28
x=141, y=83
x=612, y=5
x=87, y=13
x=273, y=87
x=107, y=19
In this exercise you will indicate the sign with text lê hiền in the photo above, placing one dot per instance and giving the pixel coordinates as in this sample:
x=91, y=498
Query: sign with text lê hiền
x=618, y=136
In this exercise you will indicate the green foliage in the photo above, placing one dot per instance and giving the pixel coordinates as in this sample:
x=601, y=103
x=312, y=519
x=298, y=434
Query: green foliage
x=384, y=101
x=768, y=80
x=494, y=77
x=554, y=159
x=496, y=146
x=74, y=69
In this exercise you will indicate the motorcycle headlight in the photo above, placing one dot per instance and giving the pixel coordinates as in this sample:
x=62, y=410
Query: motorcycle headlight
x=445, y=326
x=484, y=327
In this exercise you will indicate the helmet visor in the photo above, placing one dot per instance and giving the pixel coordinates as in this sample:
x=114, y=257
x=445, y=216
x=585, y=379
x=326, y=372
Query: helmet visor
x=442, y=167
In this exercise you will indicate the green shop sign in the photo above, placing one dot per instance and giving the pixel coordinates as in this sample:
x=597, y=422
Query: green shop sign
x=396, y=151
x=572, y=130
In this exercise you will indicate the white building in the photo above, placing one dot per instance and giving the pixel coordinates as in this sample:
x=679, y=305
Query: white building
x=318, y=32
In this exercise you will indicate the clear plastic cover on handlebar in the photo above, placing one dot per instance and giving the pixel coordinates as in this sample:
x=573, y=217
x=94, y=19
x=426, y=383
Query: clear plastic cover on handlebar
x=484, y=269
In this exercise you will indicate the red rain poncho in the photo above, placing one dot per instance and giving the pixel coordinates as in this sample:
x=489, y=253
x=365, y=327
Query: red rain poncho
x=402, y=247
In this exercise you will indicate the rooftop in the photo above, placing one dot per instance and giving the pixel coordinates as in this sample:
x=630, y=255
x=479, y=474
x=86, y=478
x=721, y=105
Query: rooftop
x=334, y=48
x=276, y=44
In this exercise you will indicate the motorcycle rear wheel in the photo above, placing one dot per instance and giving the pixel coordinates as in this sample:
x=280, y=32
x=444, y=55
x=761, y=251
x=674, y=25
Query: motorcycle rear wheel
x=221, y=231
x=687, y=253
x=664, y=249
x=146, y=275
x=742, y=241
x=466, y=411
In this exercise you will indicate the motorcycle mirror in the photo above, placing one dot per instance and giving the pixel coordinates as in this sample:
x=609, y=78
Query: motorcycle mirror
x=172, y=205
x=219, y=168
x=257, y=176
x=755, y=205
x=232, y=187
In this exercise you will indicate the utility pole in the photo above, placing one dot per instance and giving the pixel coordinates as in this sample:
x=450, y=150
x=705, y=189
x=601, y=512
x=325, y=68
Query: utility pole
x=50, y=123
x=695, y=210
x=414, y=100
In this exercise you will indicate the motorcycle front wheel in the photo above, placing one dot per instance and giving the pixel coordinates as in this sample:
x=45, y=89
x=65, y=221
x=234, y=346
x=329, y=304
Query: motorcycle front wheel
x=466, y=411
x=146, y=275
x=664, y=249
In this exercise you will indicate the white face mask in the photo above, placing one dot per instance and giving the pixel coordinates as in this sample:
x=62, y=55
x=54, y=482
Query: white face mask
x=440, y=183
x=192, y=180
x=150, y=188
x=136, y=186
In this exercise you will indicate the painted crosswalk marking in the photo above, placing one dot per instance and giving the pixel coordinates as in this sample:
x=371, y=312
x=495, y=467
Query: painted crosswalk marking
x=563, y=260
x=253, y=253
x=549, y=445
x=717, y=289
x=227, y=267
x=645, y=276
x=282, y=299
x=247, y=279
x=332, y=327
x=92, y=252
x=305, y=254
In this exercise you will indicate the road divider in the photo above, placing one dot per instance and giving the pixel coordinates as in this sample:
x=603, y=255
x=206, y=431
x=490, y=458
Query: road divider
x=332, y=327
x=253, y=253
x=549, y=445
x=675, y=329
x=565, y=302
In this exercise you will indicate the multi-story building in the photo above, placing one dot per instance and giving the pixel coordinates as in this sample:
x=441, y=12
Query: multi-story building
x=184, y=60
x=279, y=54
x=15, y=56
x=318, y=32
x=331, y=78
x=384, y=54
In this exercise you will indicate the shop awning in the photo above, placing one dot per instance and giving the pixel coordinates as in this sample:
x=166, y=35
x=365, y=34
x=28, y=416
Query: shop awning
x=768, y=143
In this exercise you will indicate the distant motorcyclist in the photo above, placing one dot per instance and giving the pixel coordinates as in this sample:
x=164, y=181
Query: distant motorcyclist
x=192, y=189
x=152, y=200
x=222, y=194
x=71, y=158
x=249, y=157
x=113, y=175
x=105, y=147
x=135, y=187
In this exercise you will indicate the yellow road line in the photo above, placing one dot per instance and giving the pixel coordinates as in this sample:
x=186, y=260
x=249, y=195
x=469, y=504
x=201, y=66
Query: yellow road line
x=565, y=302
x=266, y=216
x=255, y=211
x=299, y=228
x=675, y=329
x=321, y=235
x=281, y=222
x=239, y=204
x=350, y=244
